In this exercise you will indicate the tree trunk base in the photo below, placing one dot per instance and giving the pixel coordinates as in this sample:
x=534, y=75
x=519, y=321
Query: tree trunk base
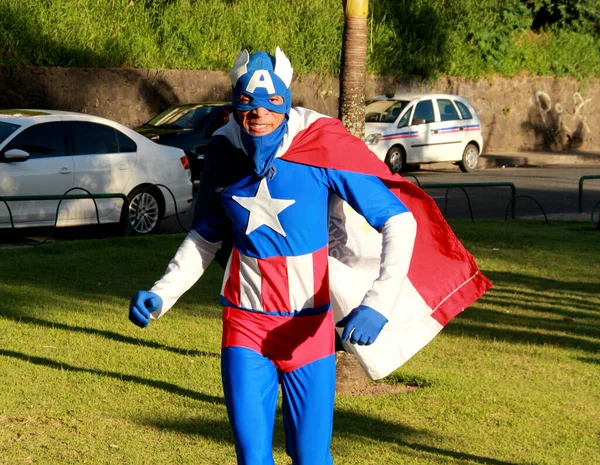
x=350, y=376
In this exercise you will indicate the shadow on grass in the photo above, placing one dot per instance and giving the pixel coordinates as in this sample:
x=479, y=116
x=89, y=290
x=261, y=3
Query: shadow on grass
x=107, y=335
x=347, y=424
x=536, y=283
x=565, y=320
x=163, y=385
x=589, y=360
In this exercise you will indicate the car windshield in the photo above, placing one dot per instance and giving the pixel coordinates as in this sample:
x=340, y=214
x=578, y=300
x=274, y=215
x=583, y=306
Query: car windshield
x=183, y=117
x=6, y=129
x=384, y=111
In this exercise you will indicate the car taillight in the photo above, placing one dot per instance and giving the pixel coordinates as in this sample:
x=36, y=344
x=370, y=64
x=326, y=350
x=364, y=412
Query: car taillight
x=185, y=162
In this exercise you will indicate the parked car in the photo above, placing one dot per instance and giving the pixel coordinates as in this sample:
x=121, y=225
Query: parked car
x=46, y=153
x=188, y=127
x=411, y=129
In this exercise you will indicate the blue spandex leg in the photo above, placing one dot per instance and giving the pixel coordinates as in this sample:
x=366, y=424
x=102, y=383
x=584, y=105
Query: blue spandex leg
x=250, y=385
x=308, y=397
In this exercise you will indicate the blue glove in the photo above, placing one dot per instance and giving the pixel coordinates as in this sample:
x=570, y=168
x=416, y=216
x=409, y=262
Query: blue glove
x=362, y=325
x=141, y=305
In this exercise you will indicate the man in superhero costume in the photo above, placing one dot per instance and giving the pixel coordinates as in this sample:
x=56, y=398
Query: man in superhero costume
x=274, y=186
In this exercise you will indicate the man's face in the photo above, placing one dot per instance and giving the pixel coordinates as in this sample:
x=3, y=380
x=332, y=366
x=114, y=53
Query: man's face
x=260, y=121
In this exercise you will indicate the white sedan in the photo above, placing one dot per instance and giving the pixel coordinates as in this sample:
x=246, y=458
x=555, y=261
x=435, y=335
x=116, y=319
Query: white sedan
x=48, y=153
x=410, y=129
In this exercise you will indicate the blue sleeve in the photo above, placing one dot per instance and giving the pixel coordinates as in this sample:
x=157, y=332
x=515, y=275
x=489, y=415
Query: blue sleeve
x=368, y=195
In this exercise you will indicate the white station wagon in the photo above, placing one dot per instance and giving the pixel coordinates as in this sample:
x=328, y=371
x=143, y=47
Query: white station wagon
x=47, y=153
x=410, y=129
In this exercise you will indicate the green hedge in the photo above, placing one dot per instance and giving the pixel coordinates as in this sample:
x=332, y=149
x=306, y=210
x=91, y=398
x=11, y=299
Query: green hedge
x=423, y=38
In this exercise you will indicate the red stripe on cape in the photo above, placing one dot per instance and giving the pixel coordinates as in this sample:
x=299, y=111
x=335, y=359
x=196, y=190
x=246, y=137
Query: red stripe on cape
x=442, y=270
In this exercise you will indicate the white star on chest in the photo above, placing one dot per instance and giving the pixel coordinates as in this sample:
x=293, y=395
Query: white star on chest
x=263, y=209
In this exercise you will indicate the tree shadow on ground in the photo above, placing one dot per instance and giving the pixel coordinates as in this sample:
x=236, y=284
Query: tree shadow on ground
x=347, y=424
x=110, y=335
x=153, y=383
x=566, y=320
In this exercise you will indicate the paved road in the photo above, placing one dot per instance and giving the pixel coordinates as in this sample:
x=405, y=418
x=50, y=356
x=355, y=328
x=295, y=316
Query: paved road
x=555, y=188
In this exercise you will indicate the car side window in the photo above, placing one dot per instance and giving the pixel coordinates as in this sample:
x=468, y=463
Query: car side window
x=447, y=110
x=424, y=110
x=43, y=140
x=405, y=119
x=126, y=145
x=93, y=138
x=464, y=111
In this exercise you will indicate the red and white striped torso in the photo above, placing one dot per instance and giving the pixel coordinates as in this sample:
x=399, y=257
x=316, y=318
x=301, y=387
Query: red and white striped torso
x=277, y=285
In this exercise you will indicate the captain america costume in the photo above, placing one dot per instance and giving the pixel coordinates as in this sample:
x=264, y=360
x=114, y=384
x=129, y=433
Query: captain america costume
x=277, y=317
x=271, y=196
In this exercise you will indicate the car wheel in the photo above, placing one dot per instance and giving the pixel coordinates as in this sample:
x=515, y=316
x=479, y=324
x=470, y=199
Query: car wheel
x=396, y=159
x=470, y=159
x=146, y=210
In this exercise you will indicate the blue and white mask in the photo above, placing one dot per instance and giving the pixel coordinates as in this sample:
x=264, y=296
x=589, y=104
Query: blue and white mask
x=261, y=76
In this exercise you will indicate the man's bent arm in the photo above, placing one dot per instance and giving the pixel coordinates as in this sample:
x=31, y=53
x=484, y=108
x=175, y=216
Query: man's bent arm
x=398, y=238
x=189, y=263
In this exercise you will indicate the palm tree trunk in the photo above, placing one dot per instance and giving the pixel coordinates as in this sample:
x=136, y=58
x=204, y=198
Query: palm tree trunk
x=354, y=67
x=350, y=375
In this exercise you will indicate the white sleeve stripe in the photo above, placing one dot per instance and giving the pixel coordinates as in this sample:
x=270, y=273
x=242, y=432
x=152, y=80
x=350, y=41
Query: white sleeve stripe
x=398, y=238
x=189, y=263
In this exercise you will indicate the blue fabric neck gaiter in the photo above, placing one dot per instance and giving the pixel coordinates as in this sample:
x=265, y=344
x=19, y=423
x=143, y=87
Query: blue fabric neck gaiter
x=262, y=149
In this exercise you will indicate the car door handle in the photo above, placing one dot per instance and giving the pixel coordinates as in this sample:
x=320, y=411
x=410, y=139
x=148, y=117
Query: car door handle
x=462, y=128
x=123, y=167
x=65, y=171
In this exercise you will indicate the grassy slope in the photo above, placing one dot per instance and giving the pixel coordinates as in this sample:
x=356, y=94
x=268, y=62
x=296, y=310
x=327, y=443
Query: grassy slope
x=421, y=38
x=512, y=380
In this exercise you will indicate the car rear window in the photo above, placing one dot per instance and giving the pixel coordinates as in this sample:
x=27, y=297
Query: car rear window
x=6, y=129
x=464, y=111
x=93, y=138
x=447, y=110
x=186, y=117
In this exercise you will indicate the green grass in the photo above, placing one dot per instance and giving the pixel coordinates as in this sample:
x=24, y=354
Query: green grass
x=407, y=40
x=513, y=380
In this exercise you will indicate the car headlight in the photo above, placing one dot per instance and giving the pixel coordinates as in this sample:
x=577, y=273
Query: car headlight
x=372, y=139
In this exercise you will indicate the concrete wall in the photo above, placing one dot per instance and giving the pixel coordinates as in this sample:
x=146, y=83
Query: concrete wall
x=519, y=114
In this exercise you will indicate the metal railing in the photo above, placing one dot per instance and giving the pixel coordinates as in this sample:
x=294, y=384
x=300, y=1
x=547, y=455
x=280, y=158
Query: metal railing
x=87, y=196
x=581, y=179
x=463, y=185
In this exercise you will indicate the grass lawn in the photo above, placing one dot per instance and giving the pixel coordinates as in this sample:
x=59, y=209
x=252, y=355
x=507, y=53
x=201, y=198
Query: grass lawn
x=513, y=380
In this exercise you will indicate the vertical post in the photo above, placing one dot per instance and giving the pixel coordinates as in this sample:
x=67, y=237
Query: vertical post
x=353, y=73
x=581, y=194
x=513, y=191
x=353, y=70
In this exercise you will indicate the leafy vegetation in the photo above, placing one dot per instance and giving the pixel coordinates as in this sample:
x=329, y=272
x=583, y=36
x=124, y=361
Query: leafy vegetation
x=513, y=380
x=422, y=38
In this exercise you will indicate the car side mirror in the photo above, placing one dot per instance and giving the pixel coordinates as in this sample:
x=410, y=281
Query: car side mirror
x=16, y=155
x=418, y=121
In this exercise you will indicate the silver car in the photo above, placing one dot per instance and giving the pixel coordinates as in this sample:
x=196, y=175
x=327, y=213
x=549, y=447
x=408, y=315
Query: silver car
x=48, y=153
x=411, y=129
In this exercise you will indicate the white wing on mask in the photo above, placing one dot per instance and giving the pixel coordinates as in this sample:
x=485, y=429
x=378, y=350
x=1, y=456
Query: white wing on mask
x=283, y=67
x=239, y=67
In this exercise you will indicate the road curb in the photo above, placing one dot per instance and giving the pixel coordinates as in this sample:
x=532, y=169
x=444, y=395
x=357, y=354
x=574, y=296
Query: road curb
x=497, y=160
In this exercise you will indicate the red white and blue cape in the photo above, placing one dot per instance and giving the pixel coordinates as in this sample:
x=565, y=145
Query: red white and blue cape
x=443, y=278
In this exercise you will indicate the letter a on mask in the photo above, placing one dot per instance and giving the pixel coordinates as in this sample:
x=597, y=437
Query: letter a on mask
x=260, y=78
